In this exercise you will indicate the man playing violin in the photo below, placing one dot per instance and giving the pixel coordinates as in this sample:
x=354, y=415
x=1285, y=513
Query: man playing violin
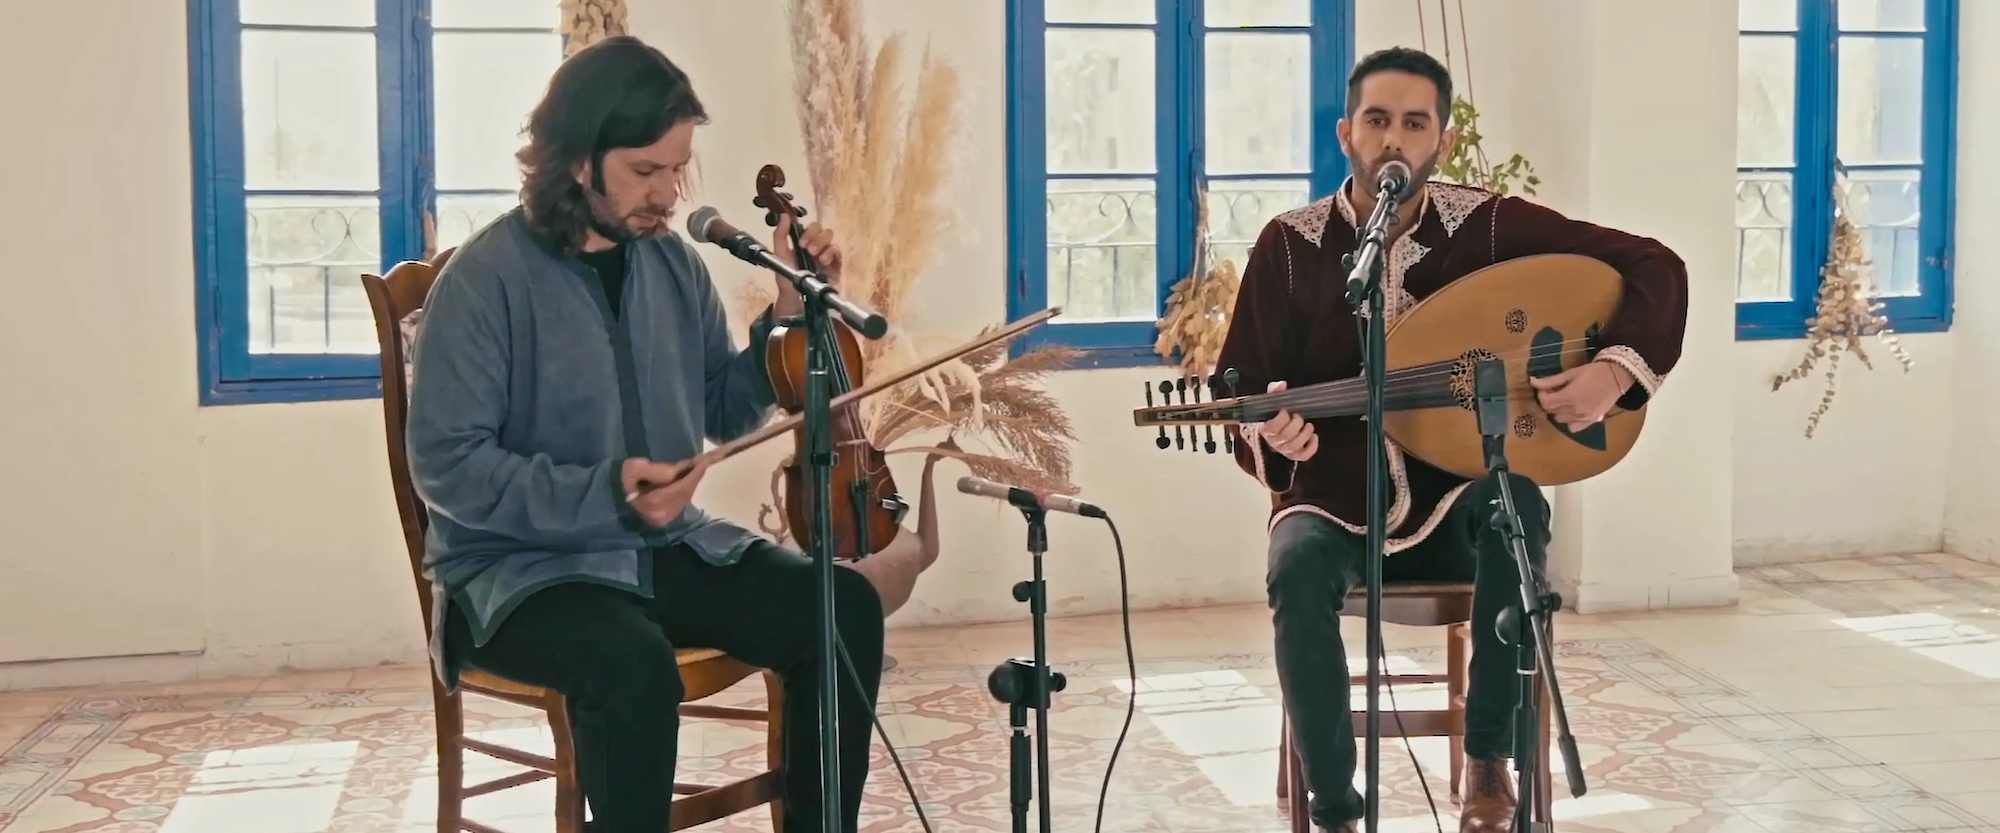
x=575, y=352
x=1293, y=326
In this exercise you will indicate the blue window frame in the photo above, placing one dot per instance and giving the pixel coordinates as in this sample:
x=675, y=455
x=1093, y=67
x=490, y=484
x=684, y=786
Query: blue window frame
x=316, y=130
x=1120, y=112
x=1860, y=95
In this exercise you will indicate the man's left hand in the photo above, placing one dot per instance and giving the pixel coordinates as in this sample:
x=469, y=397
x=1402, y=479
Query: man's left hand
x=1580, y=396
x=818, y=242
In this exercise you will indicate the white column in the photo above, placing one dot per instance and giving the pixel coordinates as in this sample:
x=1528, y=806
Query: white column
x=1629, y=110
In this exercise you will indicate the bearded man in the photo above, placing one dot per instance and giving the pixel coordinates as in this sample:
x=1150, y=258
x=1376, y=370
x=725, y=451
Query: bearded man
x=1293, y=326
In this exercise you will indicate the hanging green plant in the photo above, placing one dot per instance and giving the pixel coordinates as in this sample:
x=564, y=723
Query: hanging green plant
x=1467, y=163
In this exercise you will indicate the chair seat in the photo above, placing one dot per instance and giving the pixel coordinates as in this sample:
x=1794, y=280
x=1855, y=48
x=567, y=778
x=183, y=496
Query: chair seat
x=704, y=671
x=1418, y=604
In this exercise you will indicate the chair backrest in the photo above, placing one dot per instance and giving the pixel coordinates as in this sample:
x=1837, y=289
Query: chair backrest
x=398, y=301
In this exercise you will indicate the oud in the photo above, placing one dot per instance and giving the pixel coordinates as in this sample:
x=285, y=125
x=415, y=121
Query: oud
x=1539, y=315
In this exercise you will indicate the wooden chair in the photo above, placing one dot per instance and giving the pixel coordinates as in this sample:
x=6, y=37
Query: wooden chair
x=1423, y=605
x=704, y=673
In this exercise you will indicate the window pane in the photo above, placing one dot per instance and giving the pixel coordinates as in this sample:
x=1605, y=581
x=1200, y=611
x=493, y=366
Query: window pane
x=1766, y=90
x=1259, y=103
x=1882, y=15
x=1886, y=208
x=1767, y=15
x=1103, y=249
x=1095, y=11
x=309, y=111
x=459, y=215
x=1881, y=100
x=538, y=14
x=307, y=255
x=307, y=12
x=1258, y=12
x=1100, y=101
x=486, y=86
x=1763, y=237
x=1239, y=209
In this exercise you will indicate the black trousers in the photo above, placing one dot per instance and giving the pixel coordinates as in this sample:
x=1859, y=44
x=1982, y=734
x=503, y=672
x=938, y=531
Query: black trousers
x=1314, y=563
x=611, y=653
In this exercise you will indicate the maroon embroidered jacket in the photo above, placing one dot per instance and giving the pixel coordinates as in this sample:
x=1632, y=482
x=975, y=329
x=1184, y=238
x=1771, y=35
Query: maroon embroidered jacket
x=1292, y=323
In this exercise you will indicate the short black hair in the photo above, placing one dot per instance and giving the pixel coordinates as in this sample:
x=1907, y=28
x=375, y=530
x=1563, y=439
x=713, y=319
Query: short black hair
x=1402, y=59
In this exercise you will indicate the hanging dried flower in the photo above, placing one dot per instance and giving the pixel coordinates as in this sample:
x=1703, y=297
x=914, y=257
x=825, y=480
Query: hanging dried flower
x=585, y=22
x=1199, y=306
x=1847, y=312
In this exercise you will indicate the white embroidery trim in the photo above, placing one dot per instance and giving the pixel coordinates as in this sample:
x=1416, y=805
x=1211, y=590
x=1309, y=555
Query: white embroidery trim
x=1392, y=545
x=1630, y=359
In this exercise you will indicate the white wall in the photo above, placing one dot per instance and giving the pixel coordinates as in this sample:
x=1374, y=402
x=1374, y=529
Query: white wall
x=1972, y=526
x=242, y=539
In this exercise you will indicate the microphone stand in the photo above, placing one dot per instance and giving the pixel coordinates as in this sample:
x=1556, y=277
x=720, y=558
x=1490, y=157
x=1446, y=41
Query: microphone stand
x=1364, y=283
x=1536, y=655
x=1024, y=684
x=822, y=300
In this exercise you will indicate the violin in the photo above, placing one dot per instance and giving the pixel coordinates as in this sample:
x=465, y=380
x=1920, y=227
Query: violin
x=867, y=509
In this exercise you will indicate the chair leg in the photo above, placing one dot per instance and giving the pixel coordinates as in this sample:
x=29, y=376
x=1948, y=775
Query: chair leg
x=1458, y=670
x=451, y=759
x=774, y=740
x=1284, y=758
x=569, y=789
x=1298, y=799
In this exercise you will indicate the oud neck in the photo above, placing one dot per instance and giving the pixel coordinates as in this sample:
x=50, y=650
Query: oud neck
x=1403, y=390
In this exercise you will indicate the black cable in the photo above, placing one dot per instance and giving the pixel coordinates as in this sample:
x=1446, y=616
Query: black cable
x=855, y=676
x=1131, y=669
x=1409, y=747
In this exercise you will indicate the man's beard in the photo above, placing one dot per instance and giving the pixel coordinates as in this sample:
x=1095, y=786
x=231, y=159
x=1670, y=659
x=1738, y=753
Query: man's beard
x=1418, y=175
x=610, y=225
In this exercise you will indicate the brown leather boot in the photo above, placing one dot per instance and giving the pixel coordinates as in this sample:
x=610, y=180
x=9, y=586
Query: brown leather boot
x=1489, y=797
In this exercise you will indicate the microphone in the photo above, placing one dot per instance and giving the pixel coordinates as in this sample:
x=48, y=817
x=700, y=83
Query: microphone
x=1026, y=499
x=1489, y=394
x=1394, y=178
x=707, y=226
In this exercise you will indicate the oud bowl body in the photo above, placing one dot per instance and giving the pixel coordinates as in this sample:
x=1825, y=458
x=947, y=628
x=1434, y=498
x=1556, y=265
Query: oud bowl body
x=1537, y=313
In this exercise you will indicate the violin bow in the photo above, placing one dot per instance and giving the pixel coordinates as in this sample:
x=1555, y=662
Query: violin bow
x=794, y=422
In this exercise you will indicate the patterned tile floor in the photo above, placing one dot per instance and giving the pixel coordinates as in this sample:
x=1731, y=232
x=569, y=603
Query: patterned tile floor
x=1850, y=695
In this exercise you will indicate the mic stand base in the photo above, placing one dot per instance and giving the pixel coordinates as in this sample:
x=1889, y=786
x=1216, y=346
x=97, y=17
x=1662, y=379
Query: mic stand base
x=819, y=444
x=1535, y=666
x=1028, y=684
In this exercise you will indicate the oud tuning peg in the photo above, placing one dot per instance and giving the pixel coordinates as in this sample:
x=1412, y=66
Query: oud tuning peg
x=1229, y=378
x=1207, y=431
x=1162, y=440
x=1167, y=396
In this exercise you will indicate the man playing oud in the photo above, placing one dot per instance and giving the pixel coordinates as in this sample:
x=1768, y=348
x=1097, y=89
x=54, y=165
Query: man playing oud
x=1293, y=326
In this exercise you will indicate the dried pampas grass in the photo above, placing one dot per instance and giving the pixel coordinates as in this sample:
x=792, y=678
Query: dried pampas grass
x=881, y=126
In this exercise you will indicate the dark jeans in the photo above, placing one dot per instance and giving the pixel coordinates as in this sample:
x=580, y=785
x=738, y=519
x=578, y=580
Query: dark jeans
x=1314, y=563
x=611, y=653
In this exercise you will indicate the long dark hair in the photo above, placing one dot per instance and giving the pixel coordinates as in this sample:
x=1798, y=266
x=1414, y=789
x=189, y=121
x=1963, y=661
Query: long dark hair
x=617, y=93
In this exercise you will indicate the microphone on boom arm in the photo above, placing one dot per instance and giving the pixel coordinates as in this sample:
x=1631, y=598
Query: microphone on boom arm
x=1027, y=499
x=706, y=225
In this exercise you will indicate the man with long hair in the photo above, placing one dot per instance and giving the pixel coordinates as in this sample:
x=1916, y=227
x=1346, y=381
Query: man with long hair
x=574, y=353
x=1293, y=327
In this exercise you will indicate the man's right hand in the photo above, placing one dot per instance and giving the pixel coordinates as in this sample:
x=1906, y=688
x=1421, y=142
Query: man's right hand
x=1289, y=434
x=671, y=487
